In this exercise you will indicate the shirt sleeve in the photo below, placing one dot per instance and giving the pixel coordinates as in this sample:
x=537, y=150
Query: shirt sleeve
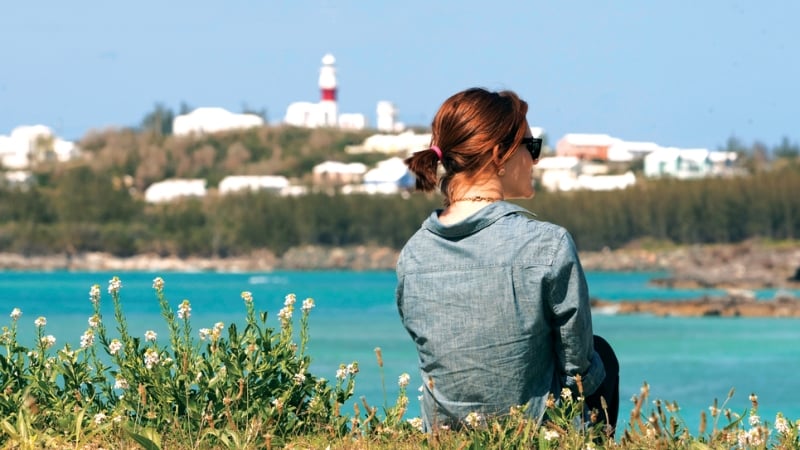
x=572, y=320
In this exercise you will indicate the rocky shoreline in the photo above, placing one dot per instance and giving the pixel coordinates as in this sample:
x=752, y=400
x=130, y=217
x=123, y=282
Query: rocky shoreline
x=299, y=258
x=737, y=268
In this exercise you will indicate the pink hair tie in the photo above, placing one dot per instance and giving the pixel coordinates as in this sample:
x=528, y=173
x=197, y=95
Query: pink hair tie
x=438, y=151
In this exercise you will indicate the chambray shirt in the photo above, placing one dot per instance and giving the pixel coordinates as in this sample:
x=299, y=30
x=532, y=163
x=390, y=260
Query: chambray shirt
x=498, y=308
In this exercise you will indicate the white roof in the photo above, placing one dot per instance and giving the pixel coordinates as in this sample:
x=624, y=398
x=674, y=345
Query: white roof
x=171, y=189
x=719, y=157
x=16, y=148
x=30, y=132
x=606, y=182
x=673, y=153
x=235, y=183
x=340, y=167
x=387, y=171
x=557, y=163
x=213, y=119
x=406, y=140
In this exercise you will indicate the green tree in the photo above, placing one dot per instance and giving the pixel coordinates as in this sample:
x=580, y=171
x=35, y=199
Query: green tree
x=158, y=121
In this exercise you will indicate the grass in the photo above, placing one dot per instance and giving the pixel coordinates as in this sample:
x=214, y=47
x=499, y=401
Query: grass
x=250, y=388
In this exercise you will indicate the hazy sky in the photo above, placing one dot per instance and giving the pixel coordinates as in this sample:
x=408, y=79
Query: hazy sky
x=687, y=73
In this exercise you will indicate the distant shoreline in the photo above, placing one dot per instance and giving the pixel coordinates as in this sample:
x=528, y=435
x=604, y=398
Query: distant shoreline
x=748, y=265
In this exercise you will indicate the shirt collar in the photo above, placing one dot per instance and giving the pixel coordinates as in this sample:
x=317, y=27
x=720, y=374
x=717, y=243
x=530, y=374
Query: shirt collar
x=474, y=223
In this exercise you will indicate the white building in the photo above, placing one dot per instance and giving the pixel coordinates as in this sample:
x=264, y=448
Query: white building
x=570, y=173
x=212, y=120
x=679, y=163
x=172, y=189
x=407, y=142
x=352, y=121
x=689, y=163
x=34, y=143
x=388, y=177
x=17, y=178
x=606, y=182
x=386, y=114
x=238, y=183
x=558, y=173
x=338, y=173
x=627, y=151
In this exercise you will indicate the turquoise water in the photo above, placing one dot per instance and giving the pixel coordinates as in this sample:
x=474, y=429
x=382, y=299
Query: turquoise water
x=687, y=360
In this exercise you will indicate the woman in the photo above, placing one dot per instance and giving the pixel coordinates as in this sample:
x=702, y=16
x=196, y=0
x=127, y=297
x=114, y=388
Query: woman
x=495, y=301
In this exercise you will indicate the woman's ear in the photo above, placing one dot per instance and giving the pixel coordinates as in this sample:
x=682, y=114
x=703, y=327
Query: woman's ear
x=497, y=156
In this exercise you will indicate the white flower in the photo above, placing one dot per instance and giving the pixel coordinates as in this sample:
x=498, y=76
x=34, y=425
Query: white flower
x=184, y=310
x=289, y=300
x=285, y=314
x=99, y=418
x=341, y=373
x=94, y=293
x=158, y=283
x=247, y=296
x=781, y=424
x=114, y=346
x=473, y=419
x=204, y=333
x=16, y=313
x=150, y=335
x=352, y=369
x=299, y=377
x=150, y=358
x=114, y=285
x=566, y=393
x=94, y=321
x=550, y=435
x=121, y=383
x=754, y=437
x=48, y=341
x=416, y=422
x=308, y=304
x=87, y=339
x=403, y=380
x=754, y=420
x=40, y=321
x=218, y=327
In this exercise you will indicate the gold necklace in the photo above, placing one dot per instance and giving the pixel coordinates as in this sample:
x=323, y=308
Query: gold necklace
x=478, y=198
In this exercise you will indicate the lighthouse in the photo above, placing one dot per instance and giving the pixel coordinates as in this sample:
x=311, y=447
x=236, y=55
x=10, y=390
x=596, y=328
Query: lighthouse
x=327, y=87
x=326, y=112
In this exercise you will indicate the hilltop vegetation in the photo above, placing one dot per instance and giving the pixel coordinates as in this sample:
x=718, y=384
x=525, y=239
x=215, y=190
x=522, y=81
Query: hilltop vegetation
x=96, y=204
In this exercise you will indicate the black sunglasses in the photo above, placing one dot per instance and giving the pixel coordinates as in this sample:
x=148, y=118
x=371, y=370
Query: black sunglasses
x=534, y=146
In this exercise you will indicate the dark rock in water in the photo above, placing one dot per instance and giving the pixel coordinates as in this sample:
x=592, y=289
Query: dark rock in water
x=796, y=276
x=735, y=304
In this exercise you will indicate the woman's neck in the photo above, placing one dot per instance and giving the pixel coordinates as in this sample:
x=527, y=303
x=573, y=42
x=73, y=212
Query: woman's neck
x=463, y=207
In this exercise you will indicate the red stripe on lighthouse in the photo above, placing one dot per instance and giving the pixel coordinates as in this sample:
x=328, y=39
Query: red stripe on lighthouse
x=329, y=94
